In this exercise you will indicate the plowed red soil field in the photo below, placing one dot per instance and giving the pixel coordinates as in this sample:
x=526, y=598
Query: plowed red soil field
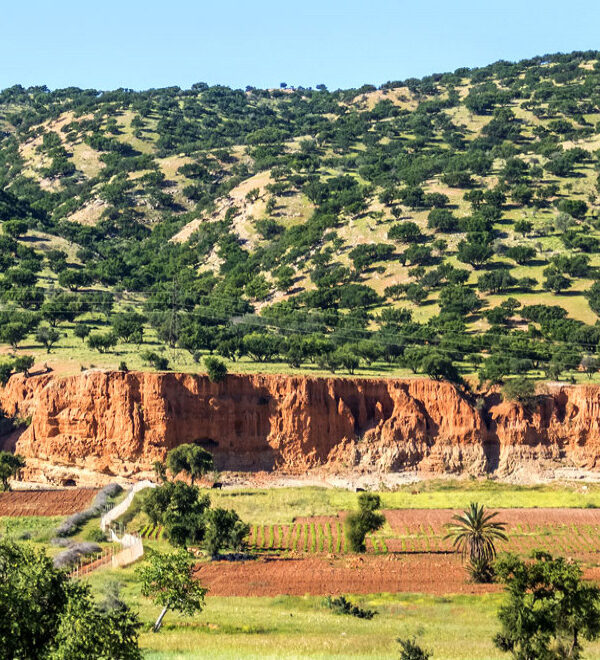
x=408, y=555
x=46, y=502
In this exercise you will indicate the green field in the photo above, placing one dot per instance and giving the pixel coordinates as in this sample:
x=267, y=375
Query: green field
x=282, y=505
x=457, y=627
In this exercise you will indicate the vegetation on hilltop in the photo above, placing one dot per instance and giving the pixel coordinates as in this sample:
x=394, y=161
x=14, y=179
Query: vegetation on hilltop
x=447, y=225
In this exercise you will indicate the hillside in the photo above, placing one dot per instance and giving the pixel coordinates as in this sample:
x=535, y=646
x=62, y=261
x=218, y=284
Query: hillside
x=447, y=226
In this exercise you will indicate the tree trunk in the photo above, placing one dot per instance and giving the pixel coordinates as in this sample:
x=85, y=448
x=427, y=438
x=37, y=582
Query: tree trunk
x=161, y=616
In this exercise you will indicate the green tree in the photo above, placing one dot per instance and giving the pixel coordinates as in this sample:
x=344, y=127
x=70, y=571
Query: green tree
x=82, y=331
x=44, y=614
x=555, y=281
x=364, y=521
x=474, y=252
x=74, y=279
x=191, y=459
x=261, y=346
x=440, y=367
x=549, y=608
x=6, y=370
x=346, y=356
x=101, y=342
x=180, y=509
x=14, y=333
x=224, y=529
x=475, y=533
x=23, y=363
x=129, y=326
x=593, y=297
x=47, y=336
x=169, y=580
x=89, y=631
x=524, y=227
x=519, y=389
x=15, y=228
x=10, y=464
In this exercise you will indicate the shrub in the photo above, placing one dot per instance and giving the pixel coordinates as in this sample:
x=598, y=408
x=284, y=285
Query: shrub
x=74, y=522
x=410, y=650
x=364, y=521
x=519, y=389
x=72, y=554
x=341, y=605
x=216, y=369
x=480, y=571
x=159, y=362
x=96, y=535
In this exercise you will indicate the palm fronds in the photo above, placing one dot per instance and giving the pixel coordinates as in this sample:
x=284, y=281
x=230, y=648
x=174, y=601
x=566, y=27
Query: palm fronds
x=475, y=534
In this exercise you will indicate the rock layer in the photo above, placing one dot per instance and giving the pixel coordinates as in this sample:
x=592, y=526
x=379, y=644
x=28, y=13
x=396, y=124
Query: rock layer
x=117, y=423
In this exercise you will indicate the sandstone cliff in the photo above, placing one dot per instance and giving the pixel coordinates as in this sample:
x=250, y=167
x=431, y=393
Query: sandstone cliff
x=116, y=423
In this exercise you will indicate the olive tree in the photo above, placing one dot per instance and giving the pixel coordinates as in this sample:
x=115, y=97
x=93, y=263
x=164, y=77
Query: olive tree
x=168, y=579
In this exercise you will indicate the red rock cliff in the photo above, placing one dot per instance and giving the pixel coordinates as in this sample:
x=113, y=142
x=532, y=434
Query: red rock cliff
x=120, y=423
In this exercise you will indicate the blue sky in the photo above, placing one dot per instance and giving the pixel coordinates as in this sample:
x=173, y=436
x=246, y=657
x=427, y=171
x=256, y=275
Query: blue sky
x=343, y=43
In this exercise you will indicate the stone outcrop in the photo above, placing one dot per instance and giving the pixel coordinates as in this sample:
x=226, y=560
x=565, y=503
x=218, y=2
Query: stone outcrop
x=117, y=423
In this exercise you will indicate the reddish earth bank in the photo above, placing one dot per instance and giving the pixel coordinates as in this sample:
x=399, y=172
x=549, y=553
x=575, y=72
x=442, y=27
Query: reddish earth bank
x=116, y=423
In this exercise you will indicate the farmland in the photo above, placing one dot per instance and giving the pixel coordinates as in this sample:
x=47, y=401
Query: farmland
x=297, y=555
x=45, y=502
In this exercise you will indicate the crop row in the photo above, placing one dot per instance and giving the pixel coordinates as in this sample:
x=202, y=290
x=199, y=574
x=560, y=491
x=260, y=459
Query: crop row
x=152, y=532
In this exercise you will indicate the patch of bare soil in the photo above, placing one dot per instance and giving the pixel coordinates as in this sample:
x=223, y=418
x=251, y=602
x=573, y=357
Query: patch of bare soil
x=46, y=502
x=273, y=576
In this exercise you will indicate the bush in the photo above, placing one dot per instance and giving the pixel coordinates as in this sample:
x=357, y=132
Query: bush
x=224, y=529
x=73, y=523
x=363, y=521
x=519, y=389
x=341, y=605
x=96, y=535
x=216, y=369
x=410, y=650
x=159, y=362
x=72, y=554
x=480, y=571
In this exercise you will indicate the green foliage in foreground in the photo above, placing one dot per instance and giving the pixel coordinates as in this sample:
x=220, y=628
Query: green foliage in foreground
x=549, y=608
x=46, y=615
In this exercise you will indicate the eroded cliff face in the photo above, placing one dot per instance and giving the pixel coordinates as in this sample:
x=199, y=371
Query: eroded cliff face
x=116, y=423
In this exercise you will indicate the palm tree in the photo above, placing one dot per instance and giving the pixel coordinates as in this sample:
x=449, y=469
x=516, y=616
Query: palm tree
x=474, y=534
